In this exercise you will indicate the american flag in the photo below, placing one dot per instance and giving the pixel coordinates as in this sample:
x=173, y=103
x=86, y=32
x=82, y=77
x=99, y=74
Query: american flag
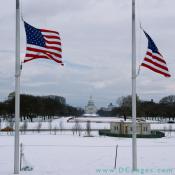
x=42, y=43
x=154, y=60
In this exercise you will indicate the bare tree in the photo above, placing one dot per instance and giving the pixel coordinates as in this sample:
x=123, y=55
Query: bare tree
x=168, y=99
x=170, y=129
x=11, y=123
x=61, y=126
x=55, y=129
x=39, y=125
x=73, y=130
x=77, y=127
x=125, y=105
x=164, y=128
x=50, y=125
x=24, y=126
x=88, y=128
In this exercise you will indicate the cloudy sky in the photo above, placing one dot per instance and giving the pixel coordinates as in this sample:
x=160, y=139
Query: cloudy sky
x=96, y=37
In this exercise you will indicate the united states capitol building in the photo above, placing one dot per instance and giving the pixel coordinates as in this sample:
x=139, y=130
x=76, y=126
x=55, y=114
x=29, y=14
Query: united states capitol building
x=90, y=108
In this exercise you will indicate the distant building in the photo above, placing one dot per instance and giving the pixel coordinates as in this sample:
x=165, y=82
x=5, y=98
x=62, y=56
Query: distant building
x=90, y=108
x=125, y=127
x=110, y=107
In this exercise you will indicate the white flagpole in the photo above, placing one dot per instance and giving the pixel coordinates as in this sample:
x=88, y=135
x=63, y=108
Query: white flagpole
x=134, y=144
x=17, y=89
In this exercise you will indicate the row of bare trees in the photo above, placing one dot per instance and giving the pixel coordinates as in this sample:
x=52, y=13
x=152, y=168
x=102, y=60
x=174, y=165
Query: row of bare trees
x=77, y=128
x=53, y=127
x=34, y=106
x=164, y=109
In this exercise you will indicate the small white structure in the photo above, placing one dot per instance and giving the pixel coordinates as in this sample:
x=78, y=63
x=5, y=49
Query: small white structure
x=90, y=108
x=125, y=127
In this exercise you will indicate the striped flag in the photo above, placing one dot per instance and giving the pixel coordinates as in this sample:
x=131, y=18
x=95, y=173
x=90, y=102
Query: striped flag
x=42, y=43
x=154, y=60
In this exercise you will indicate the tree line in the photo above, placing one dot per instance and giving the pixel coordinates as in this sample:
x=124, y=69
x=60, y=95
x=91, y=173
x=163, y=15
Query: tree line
x=163, y=109
x=31, y=107
x=47, y=107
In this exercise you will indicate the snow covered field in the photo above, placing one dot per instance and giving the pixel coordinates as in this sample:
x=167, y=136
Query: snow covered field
x=65, y=154
x=68, y=154
x=96, y=123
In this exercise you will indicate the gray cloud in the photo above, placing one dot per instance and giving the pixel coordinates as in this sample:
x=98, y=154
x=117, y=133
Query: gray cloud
x=96, y=36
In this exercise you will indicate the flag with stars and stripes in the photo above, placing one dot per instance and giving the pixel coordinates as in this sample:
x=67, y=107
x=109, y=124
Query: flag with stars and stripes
x=42, y=43
x=154, y=60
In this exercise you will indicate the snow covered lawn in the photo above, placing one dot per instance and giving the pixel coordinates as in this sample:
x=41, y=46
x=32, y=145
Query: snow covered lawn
x=65, y=154
x=96, y=123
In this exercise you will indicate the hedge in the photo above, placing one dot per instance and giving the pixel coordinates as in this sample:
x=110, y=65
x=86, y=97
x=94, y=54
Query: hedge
x=154, y=134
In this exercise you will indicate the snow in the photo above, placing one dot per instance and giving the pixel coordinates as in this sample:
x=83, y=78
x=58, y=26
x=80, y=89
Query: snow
x=163, y=126
x=68, y=154
x=90, y=115
x=96, y=123
x=100, y=119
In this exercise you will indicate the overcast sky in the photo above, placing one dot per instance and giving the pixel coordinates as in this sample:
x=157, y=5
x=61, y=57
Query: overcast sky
x=96, y=38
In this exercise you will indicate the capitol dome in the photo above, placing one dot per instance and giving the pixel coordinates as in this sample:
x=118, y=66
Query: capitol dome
x=90, y=108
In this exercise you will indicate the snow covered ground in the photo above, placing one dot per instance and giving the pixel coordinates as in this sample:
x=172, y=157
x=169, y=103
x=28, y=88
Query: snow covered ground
x=63, y=122
x=96, y=123
x=68, y=154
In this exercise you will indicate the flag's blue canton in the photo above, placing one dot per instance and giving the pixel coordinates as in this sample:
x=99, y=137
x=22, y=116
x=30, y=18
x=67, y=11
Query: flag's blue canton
x=151, y=44
x=34, y=36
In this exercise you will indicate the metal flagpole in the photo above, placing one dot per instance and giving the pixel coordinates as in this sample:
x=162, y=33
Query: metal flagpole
x=17, y=89
x=134, y=144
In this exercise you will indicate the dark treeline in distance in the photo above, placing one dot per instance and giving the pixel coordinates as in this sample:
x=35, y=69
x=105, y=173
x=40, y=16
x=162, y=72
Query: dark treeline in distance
x=31, y=107
x=164, y=109
x=47, y=107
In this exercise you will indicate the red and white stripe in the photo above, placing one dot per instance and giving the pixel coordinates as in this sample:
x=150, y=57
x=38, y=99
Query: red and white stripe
x=156, y=63
x=52, y=50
